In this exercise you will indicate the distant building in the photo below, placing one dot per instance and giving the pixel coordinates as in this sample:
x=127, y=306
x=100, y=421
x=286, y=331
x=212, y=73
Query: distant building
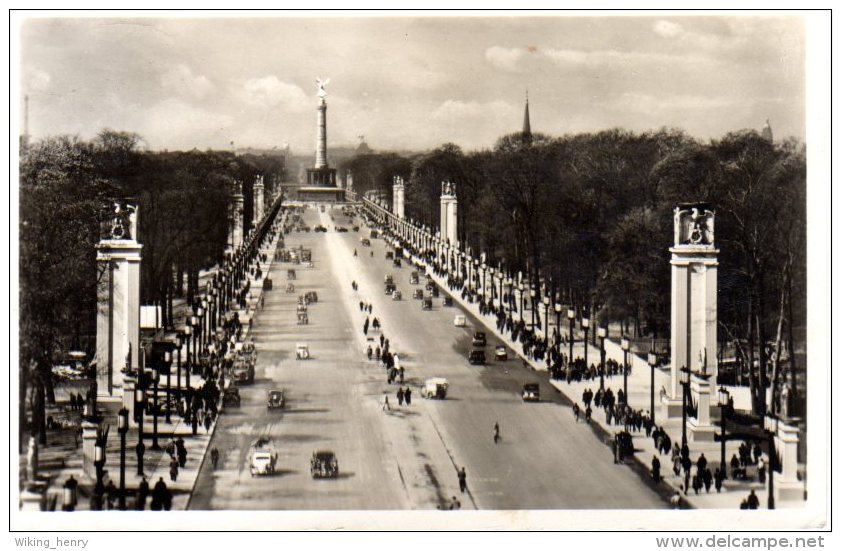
x=766, y=131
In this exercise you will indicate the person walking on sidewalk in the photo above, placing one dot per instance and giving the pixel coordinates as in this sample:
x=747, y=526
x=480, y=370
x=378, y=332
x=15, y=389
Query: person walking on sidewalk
x=173, y=470
x=142, y=494
x=385, y=402
x=407, y=396
x=214, y=457
x=462, y=480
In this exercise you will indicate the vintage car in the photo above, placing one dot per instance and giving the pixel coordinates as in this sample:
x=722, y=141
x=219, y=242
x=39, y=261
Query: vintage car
x=476, y=357
x=356, y=228
x=341, y=229
x=479, y=339
x=448, y=301
x=366, y=242
x=303, y=317
x=275, y=399
x=389, y=279
x=397, y=263
x=435, y=291
x=427, y=303
x=243, y=373
x=324, y=464
x=302, y=351
x=435, y=388
x=418, y=294
x=262, y=457
x=397, y=295
x=311, y=297
x=374, y=234
x=414, y=278
x=389, y=255
x=500, y=353
x=231, y=398
x=290, y=274
x=320, y=228
x=290, y=287
x=390, y=288
x=460, y=321
x=531, y=392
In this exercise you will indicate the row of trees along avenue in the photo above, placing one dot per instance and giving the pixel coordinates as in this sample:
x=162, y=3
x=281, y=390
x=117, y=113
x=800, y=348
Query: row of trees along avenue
x=590, y=216
x=67, y=190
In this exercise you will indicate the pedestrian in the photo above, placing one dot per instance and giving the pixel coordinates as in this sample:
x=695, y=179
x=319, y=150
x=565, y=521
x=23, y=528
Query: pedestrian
x=142, y=494
x=707, y=478
x=760, y=469
x=72, y=402
x=399, y=396
x=576, y=411
x=655, y=469
x=208, y=420
x=719, y=479
x=753, y=500
x=140, y=449
x=385, y=402
x=588, y=413
x=159, y=495
x=462, y=480
x=407, y=396
x=173, y=470
x=214, y=457
x=675, y=500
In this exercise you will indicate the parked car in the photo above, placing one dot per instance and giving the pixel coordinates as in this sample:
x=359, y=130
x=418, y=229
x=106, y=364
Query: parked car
x=231, y=398
x=476, y=357
x=435, y=388
x=418, y=294
x=414, y=278
x=460, y=321
x=427, y=304
x=448, y=301
x=479, y=339
x=397, y=263
x=324, y=464
x=389, y=255
x=397, y=295
x=302, y=351
x=531, y=392
x=366, y=242
x=311, y=296
x=243, y=373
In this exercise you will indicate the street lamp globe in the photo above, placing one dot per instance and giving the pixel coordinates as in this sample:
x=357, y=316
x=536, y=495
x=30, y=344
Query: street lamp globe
x=532, y=292
x=626, y=344
x=122, y=421
x=570, y=314
x=652, y=359
x=200, y=310
x=194, y=320
x=558, y=308
x=585, y=322
x=723, y=397
x=684, y=375
x=601, y=332
x=188, y=329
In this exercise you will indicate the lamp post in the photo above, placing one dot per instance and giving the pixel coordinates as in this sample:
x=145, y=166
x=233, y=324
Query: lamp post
x=546, y=302
x=652, y=363
x=188, y=331
x=585, y=326
x=168, y=365
x=684, y=381
x=99, y=463
x=493, y=287
x=724, y=407
x=155, y=378
x=571, y=318
x=179, y=342
x=139, y=408
x=122, y=428
x=522, y=290
x=770, y=421
x=484, y=288
x=602, y=334
x=70, y=494
x=626, y=346
x=202, y=313
x=532, y=294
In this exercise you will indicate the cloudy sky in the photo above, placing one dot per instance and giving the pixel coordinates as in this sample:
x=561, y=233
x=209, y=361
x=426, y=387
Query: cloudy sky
x=409, y=83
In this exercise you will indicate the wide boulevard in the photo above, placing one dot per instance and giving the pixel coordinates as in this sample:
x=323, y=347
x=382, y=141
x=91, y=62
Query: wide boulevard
x=405, y=458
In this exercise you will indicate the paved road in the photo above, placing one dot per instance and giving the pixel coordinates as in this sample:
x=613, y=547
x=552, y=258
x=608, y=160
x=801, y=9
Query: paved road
x=407, y=457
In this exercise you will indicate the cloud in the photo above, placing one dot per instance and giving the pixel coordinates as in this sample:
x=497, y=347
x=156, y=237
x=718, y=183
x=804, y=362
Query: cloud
x=457, y=109
x=504, y=58
x=181, y=80
x=668, y=29
x=615, y=58
x=174, y=123
x=270, y=91
x=35, y=80
x=650, y=104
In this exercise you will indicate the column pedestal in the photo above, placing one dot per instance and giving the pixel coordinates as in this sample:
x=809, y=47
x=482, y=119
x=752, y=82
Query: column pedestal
x=700, y=429
x=786, y=485
x=89, y=429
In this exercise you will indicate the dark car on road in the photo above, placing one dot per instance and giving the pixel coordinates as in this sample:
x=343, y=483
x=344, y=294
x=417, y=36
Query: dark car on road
x=448, y=301
x=231, y=397
x=427, y=304
x=324, y=464
x=479, y=339
x=476, y=357
x=366, y=242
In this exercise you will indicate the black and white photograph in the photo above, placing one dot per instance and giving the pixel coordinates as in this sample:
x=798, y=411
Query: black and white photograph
x=420, y=270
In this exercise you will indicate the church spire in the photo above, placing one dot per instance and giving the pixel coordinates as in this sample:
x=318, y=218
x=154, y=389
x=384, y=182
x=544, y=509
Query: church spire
x=526, y=121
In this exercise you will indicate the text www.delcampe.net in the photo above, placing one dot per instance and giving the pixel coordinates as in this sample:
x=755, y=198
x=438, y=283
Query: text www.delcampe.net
x=746, y=542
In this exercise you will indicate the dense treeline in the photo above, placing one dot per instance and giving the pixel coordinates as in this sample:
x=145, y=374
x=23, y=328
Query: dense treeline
x=590, y=217
x=67, y=190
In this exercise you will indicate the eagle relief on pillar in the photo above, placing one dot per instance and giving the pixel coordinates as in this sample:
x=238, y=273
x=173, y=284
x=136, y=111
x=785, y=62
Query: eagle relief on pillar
x=694, y=225
x=123, y=223
x=448, y=188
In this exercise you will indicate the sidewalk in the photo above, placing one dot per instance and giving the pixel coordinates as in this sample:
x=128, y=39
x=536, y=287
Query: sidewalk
x=62, y=456
x=732, y=493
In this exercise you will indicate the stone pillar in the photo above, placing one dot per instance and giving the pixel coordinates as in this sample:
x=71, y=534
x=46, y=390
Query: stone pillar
x=449, y=212
x=129, y=384
x=694, y=300
x=118, y=305
x=700, y=428
x=398, y=190
x=89, y=429
x=259, y=191
x=786, y=485
x=321, y=135
x=237, y=220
